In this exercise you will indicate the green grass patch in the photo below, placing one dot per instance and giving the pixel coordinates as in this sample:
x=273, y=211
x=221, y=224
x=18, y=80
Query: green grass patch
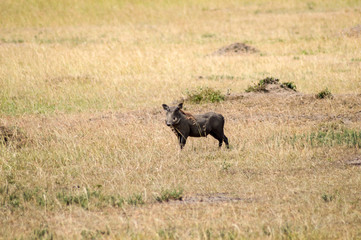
x=167, y=195
x=14, y=195
x=97, y=234
x=205, y=94
x=261, y=85
x=89, y=198
x=290, y=85
x=168, y=233
x=135, y=200
x=329, y=138
x=324, y=94
x=42, y=232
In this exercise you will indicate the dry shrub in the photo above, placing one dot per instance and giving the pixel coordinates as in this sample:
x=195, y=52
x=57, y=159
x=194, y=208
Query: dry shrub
x=12, y=136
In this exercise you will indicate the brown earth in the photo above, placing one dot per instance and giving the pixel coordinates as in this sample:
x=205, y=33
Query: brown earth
x=211, y=198
x=12, y=136
x=235, y=49
x=353, y=32
x=354, y=161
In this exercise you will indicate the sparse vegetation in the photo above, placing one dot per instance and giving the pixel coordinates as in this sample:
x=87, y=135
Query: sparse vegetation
x=85, y=153
x=262, y=84
x=290, y=85
x=324, y=94
x=204, y=95
x=97, y=234
x=43, y=233
x=345, y=137
x=135, y=200
x=167, y=195
x=12, y=136
x=327, y=197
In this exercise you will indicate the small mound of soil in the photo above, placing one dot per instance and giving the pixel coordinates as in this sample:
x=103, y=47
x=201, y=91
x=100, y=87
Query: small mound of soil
x=277, y=88
x=235, y=49
x=353, y=32
x=12, y=135
x=212, y=198
x=272, y=85
x=356, y=161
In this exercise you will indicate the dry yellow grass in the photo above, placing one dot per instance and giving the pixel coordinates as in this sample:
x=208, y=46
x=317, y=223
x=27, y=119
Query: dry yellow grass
x=84, y=81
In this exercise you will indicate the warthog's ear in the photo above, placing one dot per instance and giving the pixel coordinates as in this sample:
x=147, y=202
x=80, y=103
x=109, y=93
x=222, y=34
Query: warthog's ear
x=180, y=106
x=165, y=106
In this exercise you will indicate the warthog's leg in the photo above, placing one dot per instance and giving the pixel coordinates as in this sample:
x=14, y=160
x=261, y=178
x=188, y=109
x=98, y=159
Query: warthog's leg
x=220, y=137
x=217, y=135
x=182, y=142
x=225, y=139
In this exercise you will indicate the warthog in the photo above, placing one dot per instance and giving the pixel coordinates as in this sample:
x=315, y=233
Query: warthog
x=185, y=125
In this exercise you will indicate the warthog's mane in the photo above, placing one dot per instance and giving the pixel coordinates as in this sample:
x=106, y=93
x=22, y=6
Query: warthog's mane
x=193, y=119
x=188, y=115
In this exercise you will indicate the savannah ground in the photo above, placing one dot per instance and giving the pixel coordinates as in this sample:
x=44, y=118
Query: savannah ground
x=88, y=155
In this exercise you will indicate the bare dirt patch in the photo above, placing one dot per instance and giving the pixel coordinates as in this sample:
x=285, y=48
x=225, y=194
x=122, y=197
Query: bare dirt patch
x=266, y=86
x=235, y=49
x=353, y=32
x=211, y=198
x=355, y=161
x=12, y=135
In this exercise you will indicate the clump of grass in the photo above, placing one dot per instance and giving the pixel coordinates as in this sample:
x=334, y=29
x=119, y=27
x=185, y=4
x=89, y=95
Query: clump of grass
x=12, y=136
x=95, y=198
x=327, y=197
x=290, y=85
x=261, y=85
x=330, y=136
x=15, y=196
x=98, y=234
x=135, y=200
x=167, y=195
x=206, y=94
x=77, y=199
x=43, y=233
x=168, y=233
x=287, y=232
x=324, y=94
x=225, y=166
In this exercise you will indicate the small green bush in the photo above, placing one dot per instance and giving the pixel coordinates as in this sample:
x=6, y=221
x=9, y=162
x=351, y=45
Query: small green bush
x=327, y=197
x=324, y=94
x=97, y=234
x=42, y=233
x=168, y=195
x=261, y=85
x=95, y=198
x=206, y=94
x=290, y=85
x=81, y=199
x=135, y=200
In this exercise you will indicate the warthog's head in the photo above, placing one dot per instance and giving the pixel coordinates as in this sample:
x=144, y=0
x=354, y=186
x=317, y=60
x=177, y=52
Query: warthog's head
x=173, y=115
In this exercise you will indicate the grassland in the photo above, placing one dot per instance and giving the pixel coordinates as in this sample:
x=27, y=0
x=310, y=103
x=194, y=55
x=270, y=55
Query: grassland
x=90, y=157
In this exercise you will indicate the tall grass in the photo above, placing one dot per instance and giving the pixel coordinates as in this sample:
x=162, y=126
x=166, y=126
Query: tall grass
x=83, y=82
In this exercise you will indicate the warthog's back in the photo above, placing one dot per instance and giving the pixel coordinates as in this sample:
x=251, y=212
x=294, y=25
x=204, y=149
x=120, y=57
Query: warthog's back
x=212, y=118
x=203, y=124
